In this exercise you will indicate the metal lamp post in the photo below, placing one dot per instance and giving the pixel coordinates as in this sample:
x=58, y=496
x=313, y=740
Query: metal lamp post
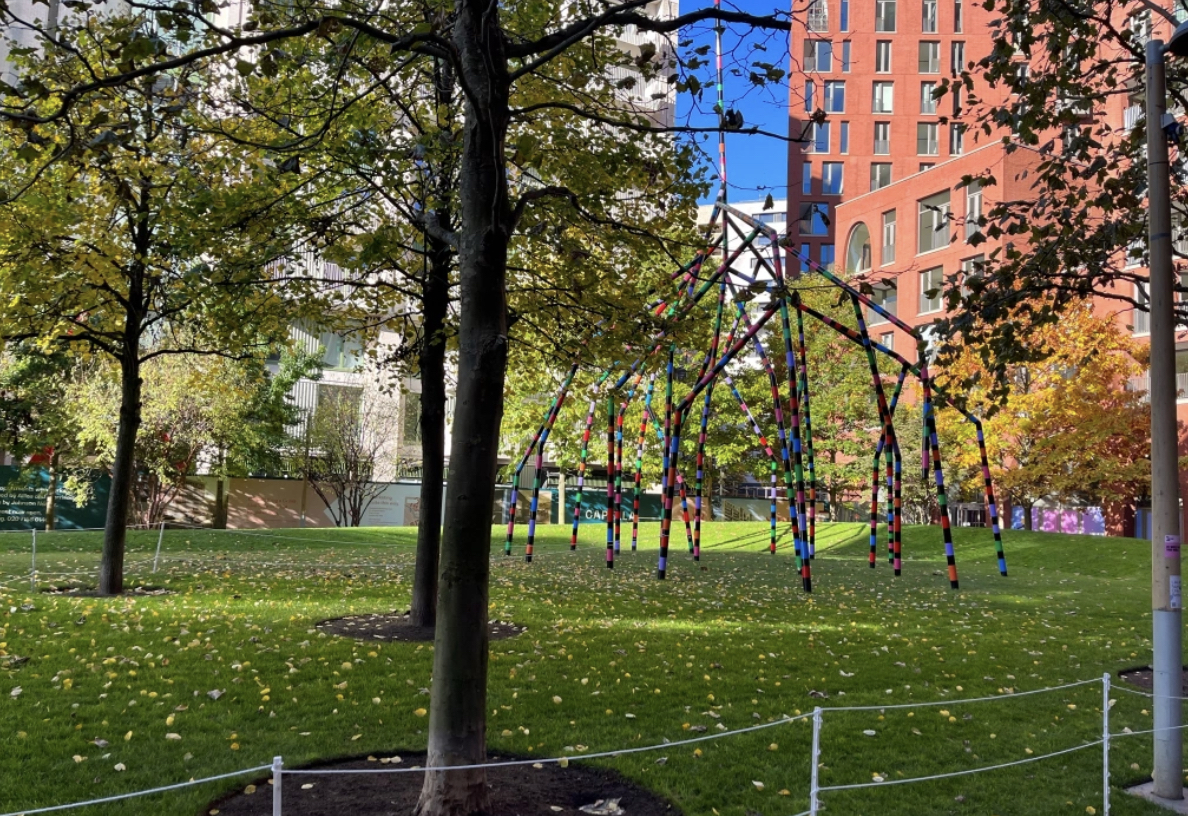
x=1166, y=597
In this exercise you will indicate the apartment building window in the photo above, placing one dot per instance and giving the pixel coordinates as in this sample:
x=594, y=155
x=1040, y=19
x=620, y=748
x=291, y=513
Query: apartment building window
x=880, y=175
x=925, y=166
x=816, y=17
x=928, y=17
x=929, y=59
x=888, y=252
x=882, y=97
x=831, y=178
x=956, y=138
x=882, y=138
x=927, y=100
x=810, y=94
x=858, y=250
x=814, y=218
x=926, y=139
x=805, y=256
x=885, y=15
x=958, y=17
x=1180, y=298
x=933, y=223
x=883, y=57
x=828, y=256
x=835, y=97
x=845, y=59
x=1139, y=25
x=806, y=179
x=411, y=419
x=818, y=56
x=1136, y=253
x=885, y=297
x=341, y=353
x=973, y=209
x=843, y=138
x=819, y=137
x=1142, y=315
x=1179, y=236
x=957, y=57
x=955, y=94
x=844, y=16
x=971, y=270
x=932, y=283
x=887, y=340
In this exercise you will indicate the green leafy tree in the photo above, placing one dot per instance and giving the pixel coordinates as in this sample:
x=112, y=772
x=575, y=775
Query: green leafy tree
x=510, y=66
x=136, y=237
x=38, y=422
x=1070, y=222
x=194, y=408
x=251, y=421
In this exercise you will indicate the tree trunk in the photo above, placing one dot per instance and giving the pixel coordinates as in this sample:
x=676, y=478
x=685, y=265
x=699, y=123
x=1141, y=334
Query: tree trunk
x=1028, y=522
x=111, y=569
x=51, y=498
x=433, y=399
x=435, y=305
x=457, y=719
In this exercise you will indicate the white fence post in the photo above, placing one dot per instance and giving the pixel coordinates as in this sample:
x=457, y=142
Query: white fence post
x=160, y=536
x=277, y=764
x=33, y=569
x=1105, y=744
x=814, y=783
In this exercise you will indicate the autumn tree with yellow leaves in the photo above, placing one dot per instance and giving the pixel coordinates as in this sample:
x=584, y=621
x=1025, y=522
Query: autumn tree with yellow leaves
x=1070, y=429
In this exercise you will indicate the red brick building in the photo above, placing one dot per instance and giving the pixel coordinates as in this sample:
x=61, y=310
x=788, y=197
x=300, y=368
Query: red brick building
x=876, y=189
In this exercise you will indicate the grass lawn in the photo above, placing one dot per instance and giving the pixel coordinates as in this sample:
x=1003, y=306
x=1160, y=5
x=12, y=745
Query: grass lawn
x=611, y=659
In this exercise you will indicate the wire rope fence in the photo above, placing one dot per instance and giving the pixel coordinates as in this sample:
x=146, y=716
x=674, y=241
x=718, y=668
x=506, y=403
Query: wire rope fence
x=817, y=752
x=69, y=559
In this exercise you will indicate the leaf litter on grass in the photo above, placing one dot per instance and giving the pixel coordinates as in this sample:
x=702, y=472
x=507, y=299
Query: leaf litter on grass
x=737, y=643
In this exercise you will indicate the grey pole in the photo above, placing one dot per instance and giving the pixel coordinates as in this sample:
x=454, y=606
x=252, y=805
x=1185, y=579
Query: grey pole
x=1166, y=598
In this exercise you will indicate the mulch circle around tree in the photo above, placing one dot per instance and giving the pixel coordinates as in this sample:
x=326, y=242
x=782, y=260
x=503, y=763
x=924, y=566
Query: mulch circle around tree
x=1144, y=678
x=521, y=790
x=396, y=626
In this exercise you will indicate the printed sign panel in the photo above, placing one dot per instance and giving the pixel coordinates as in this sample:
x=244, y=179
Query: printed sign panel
x=22, y=502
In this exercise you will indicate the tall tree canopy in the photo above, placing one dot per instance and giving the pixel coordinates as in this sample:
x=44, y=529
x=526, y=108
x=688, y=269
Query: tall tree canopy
x=1072, y=224
x=511, y=64
x=134, y=235
x=1068, y=431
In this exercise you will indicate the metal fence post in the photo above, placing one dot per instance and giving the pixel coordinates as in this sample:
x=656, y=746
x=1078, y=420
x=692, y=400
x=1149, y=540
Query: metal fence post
x=277, y=764
x=814, y=782
x=33, y=568
x=160, y=536
x=1105, y=744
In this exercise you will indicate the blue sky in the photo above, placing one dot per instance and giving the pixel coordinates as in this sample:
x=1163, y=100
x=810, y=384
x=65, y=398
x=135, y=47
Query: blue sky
x=755, y=165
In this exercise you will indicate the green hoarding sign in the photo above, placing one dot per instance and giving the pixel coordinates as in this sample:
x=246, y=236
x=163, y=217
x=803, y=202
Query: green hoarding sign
x=22, y=502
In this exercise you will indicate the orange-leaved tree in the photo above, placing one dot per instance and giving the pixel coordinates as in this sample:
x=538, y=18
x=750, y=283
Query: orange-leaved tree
x=1070, y=428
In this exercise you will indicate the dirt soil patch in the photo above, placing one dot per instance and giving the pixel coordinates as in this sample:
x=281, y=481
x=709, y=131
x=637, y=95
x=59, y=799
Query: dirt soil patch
x=396, y=626
x=1144, y=678
x=521, y=790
